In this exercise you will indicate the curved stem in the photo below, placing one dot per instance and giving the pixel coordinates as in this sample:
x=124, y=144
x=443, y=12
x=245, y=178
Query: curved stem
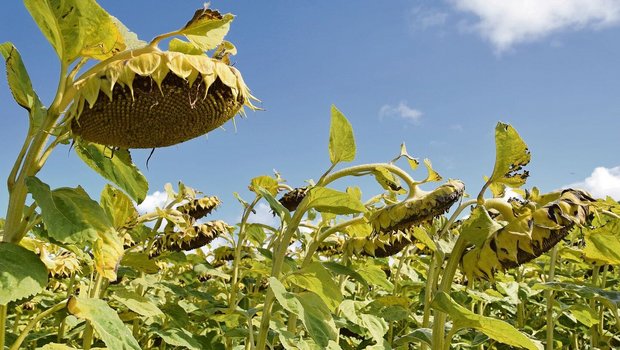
x=355, y=170
x=18, y=342
x=454, y=216
x=322, y=236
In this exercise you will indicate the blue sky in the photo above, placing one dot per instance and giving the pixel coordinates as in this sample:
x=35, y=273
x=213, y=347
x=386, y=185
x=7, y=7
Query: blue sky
x=436, y=75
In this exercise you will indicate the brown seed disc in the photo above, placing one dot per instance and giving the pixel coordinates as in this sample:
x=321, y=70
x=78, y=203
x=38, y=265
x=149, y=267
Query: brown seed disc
x=153, y=119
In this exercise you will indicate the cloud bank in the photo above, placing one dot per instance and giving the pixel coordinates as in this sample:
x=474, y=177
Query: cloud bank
x=602, y=182
x=402, y=111
x=506, y=23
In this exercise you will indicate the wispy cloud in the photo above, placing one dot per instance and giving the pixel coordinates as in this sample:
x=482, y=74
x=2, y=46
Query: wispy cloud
x=422, y=18
x=152, y=201
x=263, y=215
x=402, y=111
x=602, y=182
x=506, y=23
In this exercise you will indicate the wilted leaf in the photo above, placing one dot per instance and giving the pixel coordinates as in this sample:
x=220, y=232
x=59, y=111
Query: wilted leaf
x=341, y=139
x=116, y=167
x=479, y=226
x=22, y=273
x=325, y=199
x=498, y=330
x=69, y=214
x=387, y=180
x=207, y=28
x=511, y=155
x=105, y=321
x=108, y=252
x=432, y=175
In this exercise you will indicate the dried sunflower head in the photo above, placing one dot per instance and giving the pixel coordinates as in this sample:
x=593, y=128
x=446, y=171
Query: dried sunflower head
x=291, y=199
x=199, y=208
x=419, y=209
x=59, y=262
x=191, y=238
x=156, y=99
x=528, y=235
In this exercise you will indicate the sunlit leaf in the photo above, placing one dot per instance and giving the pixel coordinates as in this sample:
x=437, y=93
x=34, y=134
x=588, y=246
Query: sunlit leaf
x=22, y=273
x=140, y=262
x=325, y=199
x=137, y=303
x=310, y=309
x=179, y=337
x=344, y=270
x=422, y=235
x=77, y=28
x=387, y=180
x=115, y=166
x=207, y=28
x=341, y=139
x=373, y=274
x=69, y=214
x=498, y=330
x=584, y=314
x=178, y=45
x=317, y=279
x=118, y=206
x=603, y=243
x=511, y=155
x=105, y=321
x=108, y=252
x=432, y=175
x=18, y=78
x=267, y=182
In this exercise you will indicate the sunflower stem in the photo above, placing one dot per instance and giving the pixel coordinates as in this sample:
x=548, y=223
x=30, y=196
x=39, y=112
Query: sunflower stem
x=18, y=342
x=550, y=296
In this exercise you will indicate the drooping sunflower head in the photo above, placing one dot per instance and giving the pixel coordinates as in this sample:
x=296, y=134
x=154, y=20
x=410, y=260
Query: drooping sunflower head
x=419, y=209
x=201, y=207
x=193, y=237
x=291, y=199
x=157, y=99
x=147, y=98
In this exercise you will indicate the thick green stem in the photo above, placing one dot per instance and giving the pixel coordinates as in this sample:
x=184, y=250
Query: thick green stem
x=18, y=342
x=2, y=325
x=433, y=272
x=439, y=319
x=278, y=260
x=550, y=296
x=29, y=164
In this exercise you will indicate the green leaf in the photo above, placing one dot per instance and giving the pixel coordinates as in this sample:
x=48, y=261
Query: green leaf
x=325, y=199
x=77, y=28
x=116, y=167
x=18, y=78
x=267, y=182
x=422, y=235
x=108, y=252
x=479, y=226
x=344, y=270
x=206, y=29
x=105, y=321
x=420, y=335
x=376, y=326
x=276, y=206
x=610, y=297
x=373, y=274
x=69, y=214
x=140, y=262
x=317, y=279
x=130, y=38
x=341, y=139
x=310, y=309
x=584, y=314
x=511, y=155
x=22, y=273
x=387, y=180
x=179, y=337
x=117, y=206
x=495, y=329
x=137, y=303
x=603, y=243
x=255, y=233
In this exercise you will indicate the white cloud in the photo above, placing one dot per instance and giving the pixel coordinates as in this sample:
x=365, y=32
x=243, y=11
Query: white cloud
x=424, y=18
x=402, y=110
x=152, y=201
x=506, y=23
x=264, y=215
x=602, y=182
